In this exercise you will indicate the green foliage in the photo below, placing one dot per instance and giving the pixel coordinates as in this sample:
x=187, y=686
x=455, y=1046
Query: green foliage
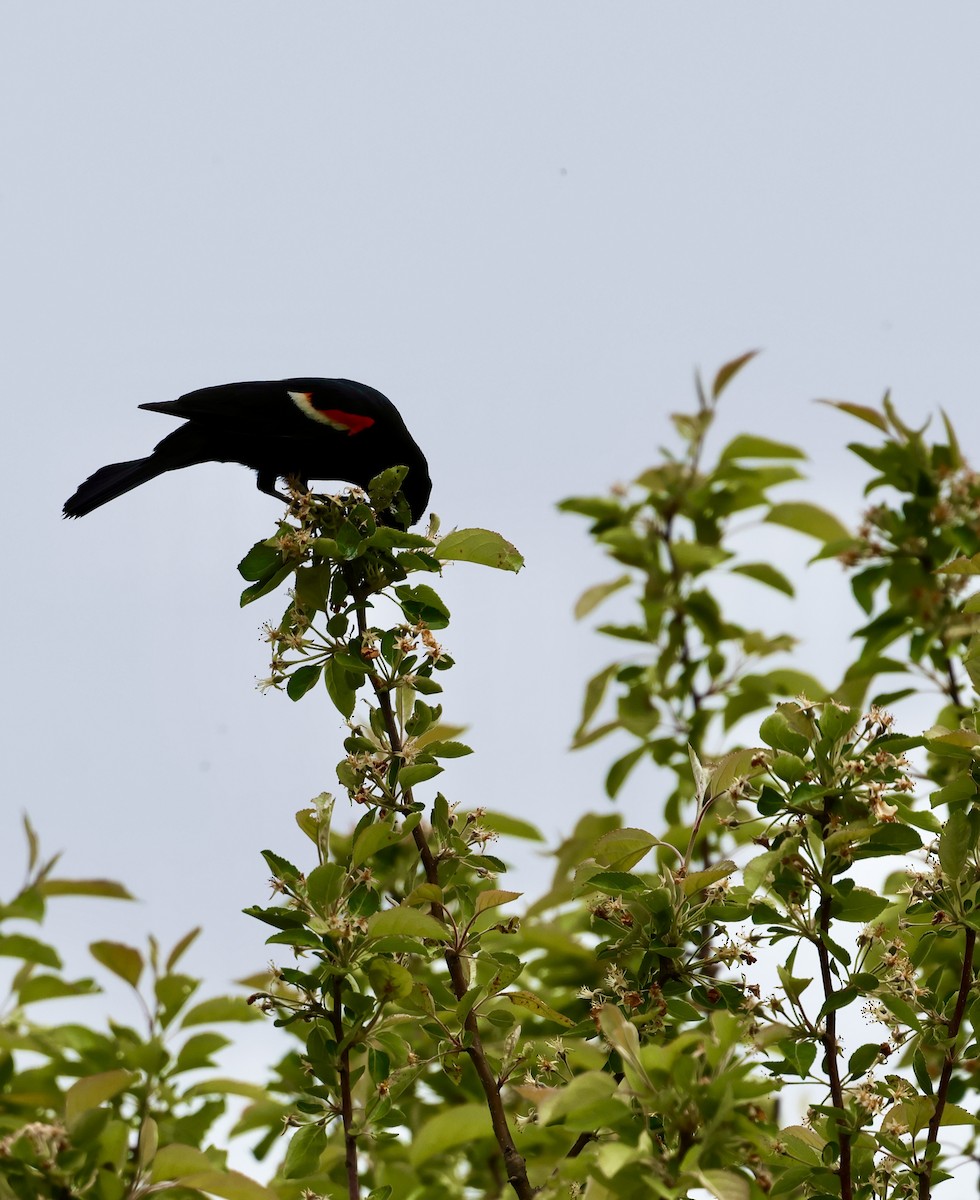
x=615, y=1040
x=114, y=1113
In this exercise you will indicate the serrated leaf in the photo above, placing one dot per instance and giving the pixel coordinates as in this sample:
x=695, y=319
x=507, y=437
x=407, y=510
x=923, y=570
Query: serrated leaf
x=304, y=1150
x=417, y=773
x=480, y=546
x=446, y=749
x=697, y=880
x=530, y=1002
x=406, y=922
x=494, y=897
x=622, y=849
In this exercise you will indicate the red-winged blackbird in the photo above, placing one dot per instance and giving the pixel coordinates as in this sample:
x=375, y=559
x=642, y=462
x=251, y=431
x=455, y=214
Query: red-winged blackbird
x=307, y=428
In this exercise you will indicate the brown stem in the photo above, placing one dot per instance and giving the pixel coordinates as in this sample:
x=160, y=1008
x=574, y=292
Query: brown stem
x=932, y=1136
x=346, y=1106
x=830, y=1052
x=513, y=1160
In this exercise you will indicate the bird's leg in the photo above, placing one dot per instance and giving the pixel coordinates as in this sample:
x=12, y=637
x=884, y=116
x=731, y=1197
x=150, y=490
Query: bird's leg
x=265, y=481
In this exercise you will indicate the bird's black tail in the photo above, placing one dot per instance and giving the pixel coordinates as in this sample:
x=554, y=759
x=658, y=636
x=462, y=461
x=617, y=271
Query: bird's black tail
x=109, y=482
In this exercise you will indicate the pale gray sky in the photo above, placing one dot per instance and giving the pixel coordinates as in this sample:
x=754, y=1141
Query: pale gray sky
x=527, y=224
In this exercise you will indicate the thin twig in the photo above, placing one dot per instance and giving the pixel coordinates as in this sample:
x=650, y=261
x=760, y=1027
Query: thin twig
x=513, y=1160
x=932, y=1136
x=830, y=1051
x=346, y=1106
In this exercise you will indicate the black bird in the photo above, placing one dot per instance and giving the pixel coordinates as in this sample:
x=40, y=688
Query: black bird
x=308, y=428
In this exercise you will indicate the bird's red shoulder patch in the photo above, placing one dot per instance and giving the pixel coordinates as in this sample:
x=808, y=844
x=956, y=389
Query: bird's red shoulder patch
x=337, y=418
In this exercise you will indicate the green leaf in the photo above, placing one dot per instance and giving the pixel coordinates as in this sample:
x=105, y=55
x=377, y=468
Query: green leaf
x=860, y=904
x=590, y=1097
x=863, y=1059
x=196, y=1052
x=447, y=749
x=767, y=574
x=595, y=689
x=281, y=867
x=19, y=945
x=407, y=922
x=228, y=1185
x=262, y=560
x=494, y=897
x=456, y=1126
x=389, y=980
x=264, y=586
x=84, y=887
x=176, y=1160
x=694, y=556
x=177, y=953
x=385, y=486
x=93, y=1090
x=747, y=445
x=304, y=1151
x=124, y=961
x=728, y=372
x=420, y=603
x=622, y=849
x=51, y=987
x=481, y=546
x=808, y=519
x=373, y=838
x=533, y=1004
x=861, y=411
x=962, y=565
x=408, y=777
x=725, y=1185
x=509, y=826
x=620, y=769
x=955, y=844
x=592, y=597
x=698, y=880
x=220, y=1008
x=341, y=686
x=301, y=680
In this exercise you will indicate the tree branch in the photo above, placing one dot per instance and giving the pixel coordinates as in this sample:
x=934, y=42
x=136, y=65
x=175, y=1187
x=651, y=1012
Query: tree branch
x=346, y=1106
x=830, y=1051
x=932, y=1136
x=513, y=1160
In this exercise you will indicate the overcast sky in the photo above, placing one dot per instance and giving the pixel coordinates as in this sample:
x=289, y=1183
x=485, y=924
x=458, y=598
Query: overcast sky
x=527, y=224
